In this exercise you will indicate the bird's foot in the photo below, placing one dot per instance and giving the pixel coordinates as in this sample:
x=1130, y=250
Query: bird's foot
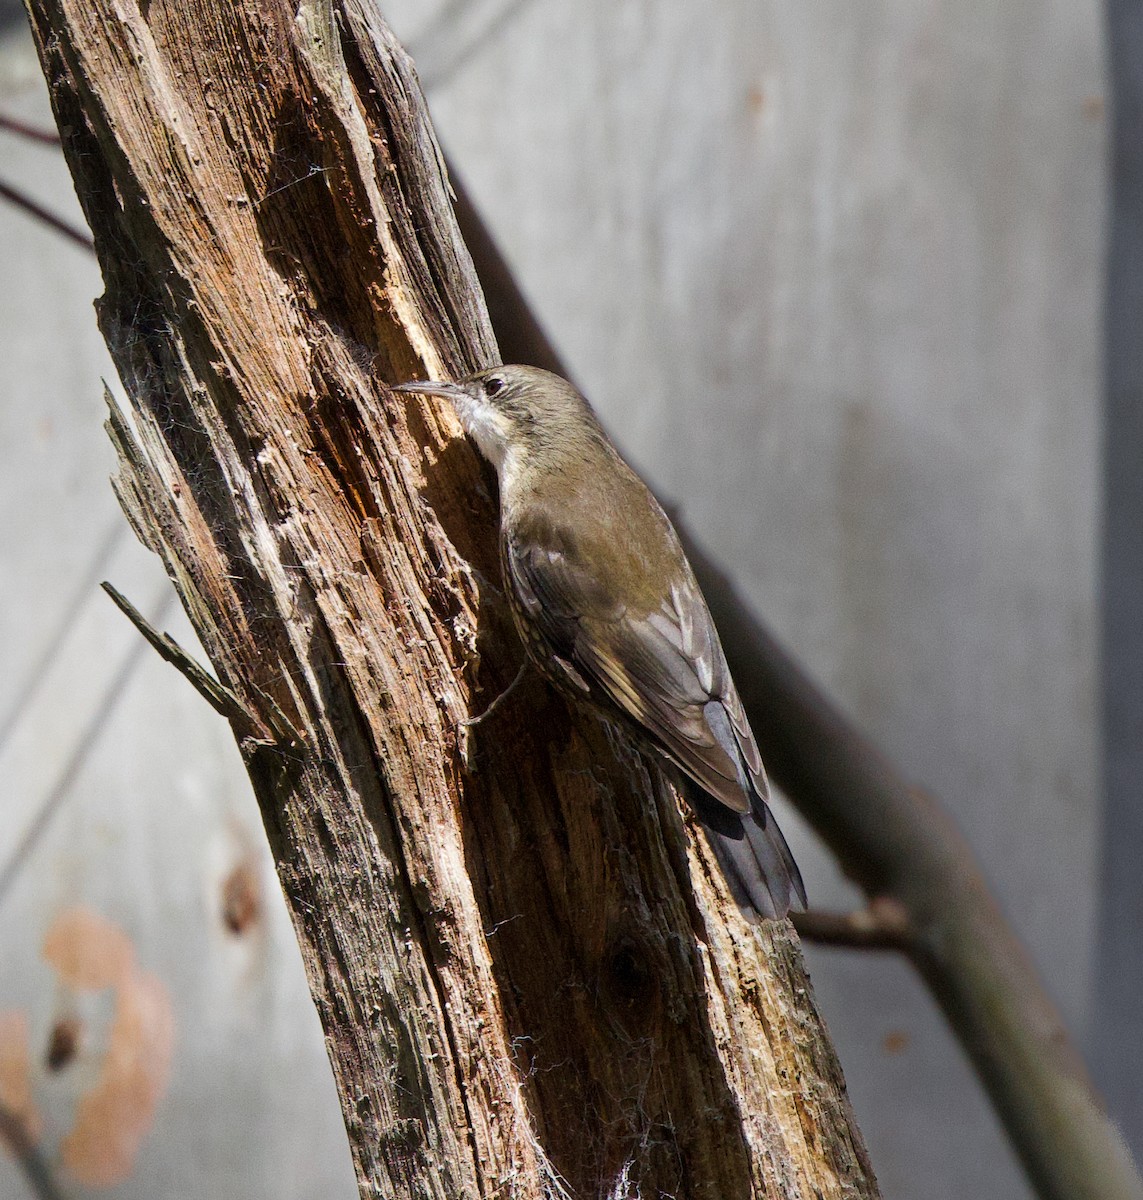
x=471, y=722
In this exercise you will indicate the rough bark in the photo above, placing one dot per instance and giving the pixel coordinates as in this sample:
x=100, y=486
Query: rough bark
x=532, y=980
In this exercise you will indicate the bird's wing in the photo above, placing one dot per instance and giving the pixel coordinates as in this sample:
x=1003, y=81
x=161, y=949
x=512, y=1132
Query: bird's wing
x=664, y=670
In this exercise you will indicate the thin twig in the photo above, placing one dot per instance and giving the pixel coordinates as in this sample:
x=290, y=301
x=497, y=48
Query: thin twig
x=459, y=32
x=882, y=924
x=220, y=698
x=36, y=1170
x=48, y=137
x=61, y=789
x=34, y=209
x=472, y=722
x=28, y=688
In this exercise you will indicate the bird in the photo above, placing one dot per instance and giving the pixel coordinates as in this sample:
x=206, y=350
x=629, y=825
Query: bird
x=610, y=613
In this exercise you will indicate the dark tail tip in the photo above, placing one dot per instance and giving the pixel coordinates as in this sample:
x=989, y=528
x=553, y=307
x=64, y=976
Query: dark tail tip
x=753, y=854
x=758, y=865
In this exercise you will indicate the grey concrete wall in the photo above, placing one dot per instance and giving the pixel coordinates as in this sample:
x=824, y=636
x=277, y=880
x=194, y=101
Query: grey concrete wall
x=832, y=275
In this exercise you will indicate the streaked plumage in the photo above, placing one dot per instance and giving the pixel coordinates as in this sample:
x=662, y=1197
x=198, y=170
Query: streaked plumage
x=610, y=612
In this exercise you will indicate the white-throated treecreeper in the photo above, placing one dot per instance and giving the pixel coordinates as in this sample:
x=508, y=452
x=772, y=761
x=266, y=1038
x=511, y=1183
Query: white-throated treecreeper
x=610, y=612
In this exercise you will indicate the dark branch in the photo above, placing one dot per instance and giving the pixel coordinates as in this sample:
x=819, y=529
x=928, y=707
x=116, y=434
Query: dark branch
x=220, y=698
x=882, y=925
x=47, y=137
x=14, y=1134
x=34, y=209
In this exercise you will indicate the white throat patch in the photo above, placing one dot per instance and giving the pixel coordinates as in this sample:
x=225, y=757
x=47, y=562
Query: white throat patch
x=486, y=427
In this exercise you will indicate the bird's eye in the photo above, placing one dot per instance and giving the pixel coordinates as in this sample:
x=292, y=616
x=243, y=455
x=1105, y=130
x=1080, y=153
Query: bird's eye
x=493, y=385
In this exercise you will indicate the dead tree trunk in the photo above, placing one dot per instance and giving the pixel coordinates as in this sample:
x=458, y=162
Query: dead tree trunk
x=530, y=975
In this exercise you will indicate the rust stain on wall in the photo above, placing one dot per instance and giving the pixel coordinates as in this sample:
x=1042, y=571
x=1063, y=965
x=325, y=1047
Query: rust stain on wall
x=241, y=898
x=895, y=1041
x=114, y=1116
x=88, y=951
x=16, y=1074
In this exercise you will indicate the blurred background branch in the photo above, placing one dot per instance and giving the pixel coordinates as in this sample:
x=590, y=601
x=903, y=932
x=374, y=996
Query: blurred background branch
x=22, y=1146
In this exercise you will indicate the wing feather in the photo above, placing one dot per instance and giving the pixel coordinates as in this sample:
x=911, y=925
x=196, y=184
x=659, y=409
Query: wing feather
x=665, y=670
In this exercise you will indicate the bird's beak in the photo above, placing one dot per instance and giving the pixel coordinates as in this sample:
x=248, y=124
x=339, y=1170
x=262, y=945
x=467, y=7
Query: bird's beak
x=427, y=387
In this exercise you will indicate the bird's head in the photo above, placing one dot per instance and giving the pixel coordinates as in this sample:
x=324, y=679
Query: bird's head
x=515, y=413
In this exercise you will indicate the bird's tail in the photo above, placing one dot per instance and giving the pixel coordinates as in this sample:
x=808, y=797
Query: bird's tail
x=764, y=879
